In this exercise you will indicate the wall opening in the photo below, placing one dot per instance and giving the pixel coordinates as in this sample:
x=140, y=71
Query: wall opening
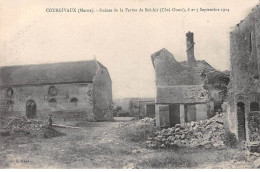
x=9, y=92
x=254, y=106
x=190, y=113
x=74, y=102
x=31, y=109
x=164, y=116
x=241, y=121
x=53, y=103
x=174, y=114
x=150, y=110
x=250, y=42
x=9, y=105
x=52, y=91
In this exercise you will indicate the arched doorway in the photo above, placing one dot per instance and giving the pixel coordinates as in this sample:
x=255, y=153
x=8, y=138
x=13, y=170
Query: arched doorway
x=31, y=109
x=241, y=121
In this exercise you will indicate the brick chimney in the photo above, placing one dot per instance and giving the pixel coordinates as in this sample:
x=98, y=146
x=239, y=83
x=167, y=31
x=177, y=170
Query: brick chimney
x=190, y=49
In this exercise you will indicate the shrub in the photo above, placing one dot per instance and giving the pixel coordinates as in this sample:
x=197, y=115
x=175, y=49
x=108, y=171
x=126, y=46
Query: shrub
x=230, y=139
x=90, y=117
x=109, y=116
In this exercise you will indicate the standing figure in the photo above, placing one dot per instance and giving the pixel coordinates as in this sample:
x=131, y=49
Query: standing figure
x=50, y=121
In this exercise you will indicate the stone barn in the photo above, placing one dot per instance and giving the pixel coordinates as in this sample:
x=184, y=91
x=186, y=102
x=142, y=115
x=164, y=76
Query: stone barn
x=66, y=90
x=243, y=114
x=186, y=91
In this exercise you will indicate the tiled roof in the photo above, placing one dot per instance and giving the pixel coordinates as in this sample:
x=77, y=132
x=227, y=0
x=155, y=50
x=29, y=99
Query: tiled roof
x=66, y=72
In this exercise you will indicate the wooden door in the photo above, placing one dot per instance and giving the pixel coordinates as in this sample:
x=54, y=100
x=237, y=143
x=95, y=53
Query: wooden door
x=174, y=111
x=164, y=116
x=190, y=113
x=150, y=110
x=31, y=109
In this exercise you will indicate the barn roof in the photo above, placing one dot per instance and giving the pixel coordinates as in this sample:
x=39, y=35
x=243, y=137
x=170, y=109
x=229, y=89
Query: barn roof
x=65, y=72
x=182, y=94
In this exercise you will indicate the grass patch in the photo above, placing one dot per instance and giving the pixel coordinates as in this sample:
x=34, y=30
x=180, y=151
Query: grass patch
x=186, y=158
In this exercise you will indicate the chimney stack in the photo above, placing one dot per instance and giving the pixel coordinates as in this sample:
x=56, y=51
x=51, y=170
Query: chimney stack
x=190, y=49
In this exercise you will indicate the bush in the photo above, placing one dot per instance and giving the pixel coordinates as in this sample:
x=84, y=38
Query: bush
x=90, y=117
x=139, y=131
x=109, y=116
x=230, y=140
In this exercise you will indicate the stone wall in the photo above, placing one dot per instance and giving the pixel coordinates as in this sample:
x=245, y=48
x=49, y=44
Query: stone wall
x=102, y=93
x=245, y=54
x=169, y=72
x=244, y=86
x=254, y=126
x=81, y=93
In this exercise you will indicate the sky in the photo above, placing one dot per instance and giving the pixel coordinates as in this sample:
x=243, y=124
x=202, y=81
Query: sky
x=122, y=41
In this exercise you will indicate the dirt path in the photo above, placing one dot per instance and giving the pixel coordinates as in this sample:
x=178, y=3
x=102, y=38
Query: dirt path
x=96, y=146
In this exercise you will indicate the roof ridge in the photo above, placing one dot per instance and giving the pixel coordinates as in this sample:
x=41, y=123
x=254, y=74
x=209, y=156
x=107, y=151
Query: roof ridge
x=39, y=64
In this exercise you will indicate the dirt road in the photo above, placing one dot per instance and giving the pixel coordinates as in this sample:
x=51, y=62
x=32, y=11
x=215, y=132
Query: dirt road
x=99, y=145
x=96, y=146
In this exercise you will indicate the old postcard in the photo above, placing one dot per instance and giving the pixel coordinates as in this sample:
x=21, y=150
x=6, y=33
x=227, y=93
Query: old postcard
x=135, y=84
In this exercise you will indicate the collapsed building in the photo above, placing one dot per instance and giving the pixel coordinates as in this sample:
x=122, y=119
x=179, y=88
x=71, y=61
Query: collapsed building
x=186, y=91
x=243, y=111
x=66, y=90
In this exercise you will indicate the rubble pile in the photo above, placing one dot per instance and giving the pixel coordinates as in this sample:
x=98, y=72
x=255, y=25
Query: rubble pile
x=206, y=133
x=23, y=126
x=142, y=122
x=138, y=131
x=149, y=121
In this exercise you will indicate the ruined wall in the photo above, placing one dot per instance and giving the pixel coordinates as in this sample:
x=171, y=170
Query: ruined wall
x=245, y=64
x=65, y=98
x=102, y=93
x=254, y=126
x=169, y=72
x=245, y=54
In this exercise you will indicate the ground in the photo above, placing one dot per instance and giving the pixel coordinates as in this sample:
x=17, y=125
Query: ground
x=99, y=145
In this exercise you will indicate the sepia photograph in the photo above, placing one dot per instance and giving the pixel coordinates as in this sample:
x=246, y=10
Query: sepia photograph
x=129, y=84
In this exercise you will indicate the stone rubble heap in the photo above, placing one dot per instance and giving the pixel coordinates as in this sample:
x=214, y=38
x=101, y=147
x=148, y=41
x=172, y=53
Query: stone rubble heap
x=150, y=121
x=205, y=133
x=22, y=126
x=145, y=121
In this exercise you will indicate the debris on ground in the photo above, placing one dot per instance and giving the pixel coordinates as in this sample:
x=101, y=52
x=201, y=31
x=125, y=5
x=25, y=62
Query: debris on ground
x=139, y=130
x=25, y=127
x=65, y=126
x=206, y=133
x=257, y=163
x=49, y=132
x=253, y=146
